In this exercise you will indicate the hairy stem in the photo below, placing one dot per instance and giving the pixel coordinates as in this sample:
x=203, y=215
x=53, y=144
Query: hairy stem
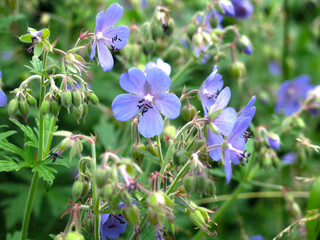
x=96, y=200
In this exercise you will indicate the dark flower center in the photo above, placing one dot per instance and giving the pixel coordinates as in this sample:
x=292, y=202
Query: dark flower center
x=145, y=105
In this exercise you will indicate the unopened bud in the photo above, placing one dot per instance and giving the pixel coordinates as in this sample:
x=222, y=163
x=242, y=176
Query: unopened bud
x=76, y=98
x=107, y=191
x=170, y=131
x=101, y=177
x=201, y=183
x=156, y=217
x=88, y=224
x=211, y=189
x=273, y=140
x=114, y=201
x=238, y=70
x=244, y=44
x=66, y=98
x=54, y=107
x=13, y=107
x=77, y=189
x=93, y=98
x=200, y=144
x=180, y=157
x=24, y=107
x=125, y=197
x=153, y=149
x=31, y=100
x=84, y=110
x=131, y=214
x=189, y=183
x=191, y=30
x=149, y=47
x=188, y=112
x=45, y=107
x=65, y=143
x=138, y=156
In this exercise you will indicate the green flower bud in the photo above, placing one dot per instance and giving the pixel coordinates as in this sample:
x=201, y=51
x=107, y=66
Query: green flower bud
x=188, y=112
x=93, y=98
x=125, y=197
x=170, y=131
x=180, y=157
x=13, y=106
x=107, y=191
x=191, y=30
x=238, y=70
x=131, y=214
x=76, y=98
x=211, y=189
x=59, y=237
x=153, y=149
x=156, y=30
x=189, y=183
x=101, y=177
x=203, y=156
x=84, y=110
x=77, y=112
x=173, y=55
x=300, y=124
x=169, y=27
x=137, y=155
x=201, y=183
x=54, y=107
x=156, y=217
x=86, y=188
x=146, y=30
x=200, y=144
x=214, y=21
x=88, y=224
x=267, y=162
x=31, y=100
x=24, y=107
x=45, y=107
x=197, y=39
x=77, y=189
x=257, y=145
x=74, y=236
x=114, y=202
x=66, y=98
x=149, y=47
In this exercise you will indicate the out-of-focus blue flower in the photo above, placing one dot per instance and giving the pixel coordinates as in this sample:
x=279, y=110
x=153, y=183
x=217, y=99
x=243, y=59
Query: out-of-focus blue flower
x=242, y=9
x=3, y=96
x=274, y=68
x=289, y=158
x=112, y=225
x=107, y=35
x=257, y=237
x=233, y=149
x=245, y=45
x=159, y=64
x=210, y=89
x=227, y=7
x=273, y=140
x=148, y=96
x=292, y=93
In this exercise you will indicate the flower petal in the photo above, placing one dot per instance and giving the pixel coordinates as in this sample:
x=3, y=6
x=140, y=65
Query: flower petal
x=215, y=139
x=168, y=104
x=93, y=51
x=238, y=144
x=3, y=99
x=99, y=22
x=124, y=107
x=150, y=123
x=115, y=225
x=239, y=128
x=226, y=120
x=118, y=35
x=158, y=80
x=227, y=165
x=164, y=66
x=111, y=16
x=104, y=219
x=105, y=57
x=223, y=99
x=133, y=81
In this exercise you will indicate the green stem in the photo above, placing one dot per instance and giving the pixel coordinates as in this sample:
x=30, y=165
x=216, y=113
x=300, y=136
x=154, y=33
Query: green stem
x=35, y=179
x=285, y=47
x=95, y=195
x=179, y=176
x=134, y=234
x=183, y=69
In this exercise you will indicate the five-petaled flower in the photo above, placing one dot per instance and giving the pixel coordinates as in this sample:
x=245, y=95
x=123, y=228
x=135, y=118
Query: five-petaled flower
x=292, y=93
x=106, y=35
x=148, y=96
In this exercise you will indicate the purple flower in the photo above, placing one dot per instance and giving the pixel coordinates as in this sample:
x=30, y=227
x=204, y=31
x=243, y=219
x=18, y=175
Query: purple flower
x=210, y=89
x=291, y=94
x=148, y=97
x=242, y=8
x=3, y=99
x=257, y=237
x=159, y=64
x=248, y=110
x=232, y=149
x=273, y=140
x=112, y=225
x=107, y=35
x=227, y=7
x=289, y=158
x=274, y=68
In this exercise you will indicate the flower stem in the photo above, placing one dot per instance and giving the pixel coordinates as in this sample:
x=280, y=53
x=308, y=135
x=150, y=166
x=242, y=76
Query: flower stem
x=35, y=178
x=183, y=69
x=95, y=196
x=179, y=176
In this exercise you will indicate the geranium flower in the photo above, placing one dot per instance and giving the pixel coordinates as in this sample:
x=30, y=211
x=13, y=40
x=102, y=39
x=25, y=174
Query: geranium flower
x=107, y=35
x=292, y=93
x=148, y=96
x=242, y=9
x=159, y=64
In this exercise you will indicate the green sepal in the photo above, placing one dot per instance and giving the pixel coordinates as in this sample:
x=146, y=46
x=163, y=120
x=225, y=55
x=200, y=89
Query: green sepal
x=27, y=38
x=38, y=48
x=215, y=114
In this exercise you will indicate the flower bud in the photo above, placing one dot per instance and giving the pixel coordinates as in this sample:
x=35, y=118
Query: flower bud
x=169, y=27
x=93, y=98
x=131, y=214
x=201, y=183
x=189, y=183
x=59, y=237
x=191, y=30
x=267, y=162
x=45, y=107
x=188, y=112
x=54, y=107
x=125, y=197
x=273, y=140
x=24, y=107
x=197, y=39
x=107, y=191
x=76, y=98
x=137, y=155
x=173, y=55
x=200, y=144
x=31, y=100
x=238, y=70
x=170, y=131
x=180, y=157
x=146, y=30
x=211, y=189
x=77, y=112
x=66, y=98
x=156, y=30
x=213, y=21
x=77, y=189
x=101, y=177
x=13, y=106
x=153, y=149
x=74, y=236
x=244, y=45
x=84, y=110
x=65, y=143
x=149, y=47
x=88, y=224
x=156, y=217
x=114, y=202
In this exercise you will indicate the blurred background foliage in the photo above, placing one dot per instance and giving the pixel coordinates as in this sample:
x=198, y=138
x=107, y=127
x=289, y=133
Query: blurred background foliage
x=65, y=19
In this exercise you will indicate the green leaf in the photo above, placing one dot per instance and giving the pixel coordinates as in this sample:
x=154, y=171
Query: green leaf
x=6, y=134
x=313, y=203
x=45, y=172
x=9, y=165
x=15, y=236
x=9, y=147
x=29, y=133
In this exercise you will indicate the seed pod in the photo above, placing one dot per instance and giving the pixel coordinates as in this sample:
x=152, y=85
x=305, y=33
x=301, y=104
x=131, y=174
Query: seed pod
x=238, y=70
x=125, y=197
x=13, y=106
x=200, y=144
x=131, y=214
x=84, y=110
x=24, y=107
x=54, y=107
x=66, y=98
x=189, y=183
x=76, y=98
x=31, y=100
x=151, y=148
x=77, y=112
x=77, y=189
x=114, y=201
x=188, y=112
x=101, y=177
x=93, y=98
x=137, y=155
x=88, y=224
x=45, y=107
x=211, y=189
x=201, y=183
x=156, y=217
x=107, y=191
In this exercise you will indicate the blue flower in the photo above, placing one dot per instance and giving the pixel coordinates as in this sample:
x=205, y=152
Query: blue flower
x=289, y=158
x=148, y=97
x=273, y=140
x=3, y=96
x=257, y=237
x=112, y=225
x=227, y=7
x=210, y=89
x=291, y=94
x=107, y=35
x=274, y=68
x=232, y=149
x=242, y=8
x=159, y=64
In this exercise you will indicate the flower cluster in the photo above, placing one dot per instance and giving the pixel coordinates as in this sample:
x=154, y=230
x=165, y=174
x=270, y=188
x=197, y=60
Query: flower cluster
x=227, y=134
